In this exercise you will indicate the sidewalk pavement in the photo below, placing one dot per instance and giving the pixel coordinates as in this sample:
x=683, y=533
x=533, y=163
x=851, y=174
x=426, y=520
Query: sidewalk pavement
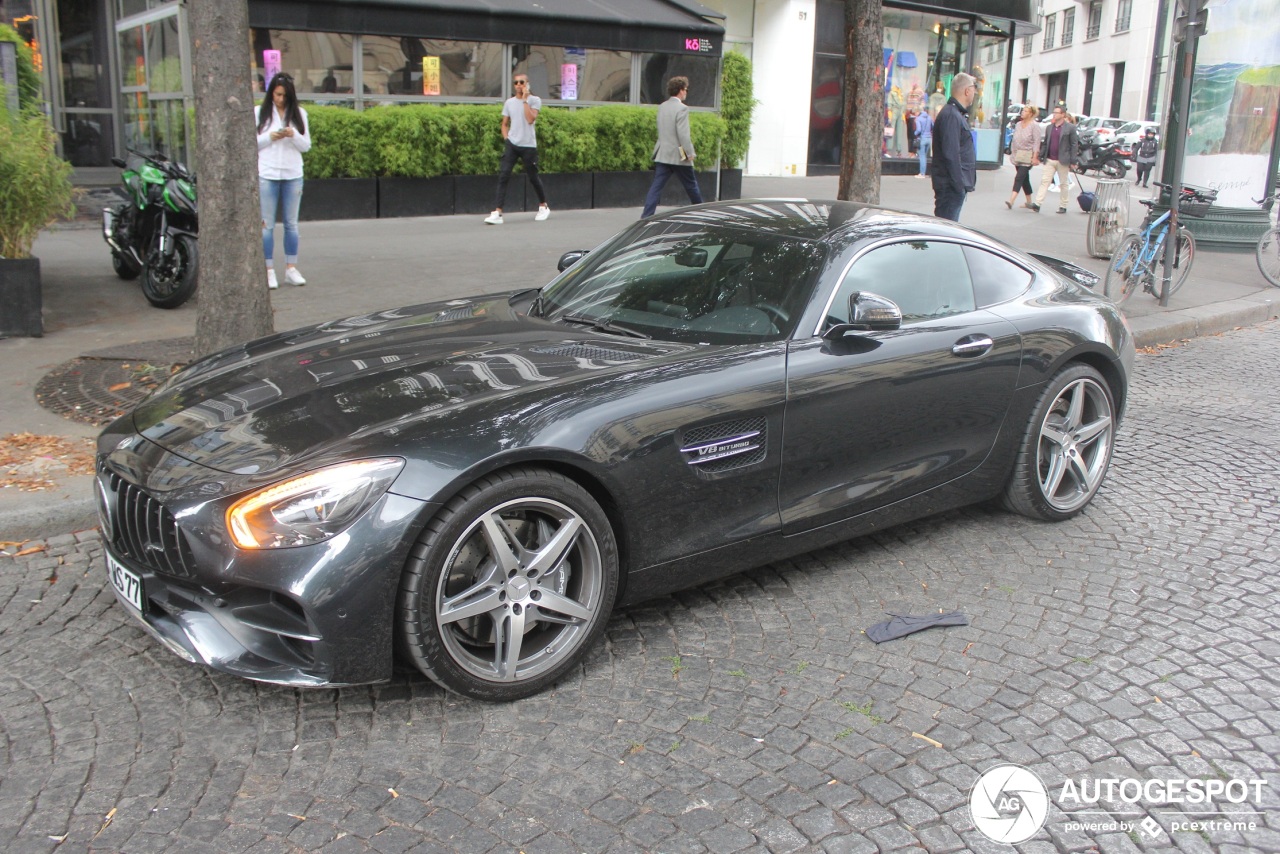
x=358, y=266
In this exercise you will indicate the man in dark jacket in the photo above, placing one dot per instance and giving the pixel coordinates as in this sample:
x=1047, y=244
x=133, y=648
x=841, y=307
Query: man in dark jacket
x=1059, y=151
x=954, y=171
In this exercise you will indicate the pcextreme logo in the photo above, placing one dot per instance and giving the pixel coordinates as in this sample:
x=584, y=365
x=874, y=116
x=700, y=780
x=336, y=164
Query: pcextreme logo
x=1010, y=804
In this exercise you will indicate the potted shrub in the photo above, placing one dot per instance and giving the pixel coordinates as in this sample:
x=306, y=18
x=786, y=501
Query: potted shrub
x=35, y=190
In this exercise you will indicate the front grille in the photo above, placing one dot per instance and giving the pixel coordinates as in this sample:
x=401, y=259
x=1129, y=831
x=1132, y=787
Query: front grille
x=143, y=530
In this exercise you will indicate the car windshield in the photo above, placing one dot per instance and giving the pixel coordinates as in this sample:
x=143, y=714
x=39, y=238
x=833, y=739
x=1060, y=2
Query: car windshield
x=689, y=281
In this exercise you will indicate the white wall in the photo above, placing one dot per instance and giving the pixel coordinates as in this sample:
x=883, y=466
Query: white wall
x=782, y=48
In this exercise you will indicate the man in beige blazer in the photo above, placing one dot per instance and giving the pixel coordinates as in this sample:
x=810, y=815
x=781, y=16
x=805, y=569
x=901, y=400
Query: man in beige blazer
x=674, y=151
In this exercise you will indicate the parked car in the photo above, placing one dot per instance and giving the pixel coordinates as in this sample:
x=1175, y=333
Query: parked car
x=1129, y=134
x=1097, y=130
x=479, y=482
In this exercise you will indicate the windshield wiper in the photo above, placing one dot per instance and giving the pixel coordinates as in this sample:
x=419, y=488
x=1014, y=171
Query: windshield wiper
x=602, y=325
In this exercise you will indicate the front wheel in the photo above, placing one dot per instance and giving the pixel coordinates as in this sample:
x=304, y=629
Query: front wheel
x=510, y=586
x=1268, y=255
x=1123, y=271
x=169, y=282
x=1066, y=450
x=1183, y=258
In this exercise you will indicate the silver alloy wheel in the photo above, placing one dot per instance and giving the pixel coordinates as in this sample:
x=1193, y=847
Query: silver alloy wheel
x=1074, y=446
x=519, y=590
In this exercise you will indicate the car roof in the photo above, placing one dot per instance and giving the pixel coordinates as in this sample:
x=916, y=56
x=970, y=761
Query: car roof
x=804, y=219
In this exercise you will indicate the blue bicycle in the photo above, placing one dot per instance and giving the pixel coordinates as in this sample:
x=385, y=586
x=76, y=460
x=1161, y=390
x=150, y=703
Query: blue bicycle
x=1137, y=260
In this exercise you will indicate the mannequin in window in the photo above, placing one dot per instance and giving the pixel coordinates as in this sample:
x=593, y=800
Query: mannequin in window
x=897, y=142
x=937, y=100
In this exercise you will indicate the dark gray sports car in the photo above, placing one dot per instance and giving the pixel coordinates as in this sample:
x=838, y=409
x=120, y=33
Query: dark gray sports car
x=477, y=483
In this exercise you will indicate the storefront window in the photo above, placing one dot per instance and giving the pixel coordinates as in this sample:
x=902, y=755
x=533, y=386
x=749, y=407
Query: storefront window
x=428, y=67
x=164, y=56
x=987, y=113
x=133, y=58
x=321, y=63
x=657, y=68
x=574, y=74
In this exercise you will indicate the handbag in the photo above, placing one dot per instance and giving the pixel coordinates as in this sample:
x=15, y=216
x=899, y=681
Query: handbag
x=1022, y=157
x=888, y=131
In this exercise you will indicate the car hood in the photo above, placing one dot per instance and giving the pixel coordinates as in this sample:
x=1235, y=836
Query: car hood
x=312, y=395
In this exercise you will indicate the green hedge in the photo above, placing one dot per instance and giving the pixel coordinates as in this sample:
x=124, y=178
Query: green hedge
x=736, y=104
x=28, y=77
x=425, y=140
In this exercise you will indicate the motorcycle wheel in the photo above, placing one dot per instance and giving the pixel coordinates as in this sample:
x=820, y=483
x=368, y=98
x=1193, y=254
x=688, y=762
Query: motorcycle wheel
x=125, y=267
x=168, y=284
x=1113, y=167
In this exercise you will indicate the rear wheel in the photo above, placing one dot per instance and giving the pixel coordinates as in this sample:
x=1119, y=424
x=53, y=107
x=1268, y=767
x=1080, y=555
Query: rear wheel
x=1183, y=259
x=125, y=267
x=1122, y=277
x=1113, y=167
x=1268, y=255
x=510, y=586
x=169, y=282
x=1066, y=450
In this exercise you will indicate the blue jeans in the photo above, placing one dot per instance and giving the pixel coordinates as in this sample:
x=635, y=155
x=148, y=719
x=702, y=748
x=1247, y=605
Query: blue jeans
x=286, y=194
x=662, y=173
x=925, y=145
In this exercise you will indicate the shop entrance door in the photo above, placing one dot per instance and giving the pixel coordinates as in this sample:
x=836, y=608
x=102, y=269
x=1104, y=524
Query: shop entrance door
x=155, y=83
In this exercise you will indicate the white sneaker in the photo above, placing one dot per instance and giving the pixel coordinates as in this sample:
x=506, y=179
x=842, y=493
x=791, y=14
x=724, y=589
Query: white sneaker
x=271, y=278
x=543, y=213
x=494, y=218
x=293, y=277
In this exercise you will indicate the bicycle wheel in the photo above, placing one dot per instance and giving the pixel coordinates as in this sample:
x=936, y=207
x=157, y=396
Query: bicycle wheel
x=1183, y=258
x=1123, y=276
x=1268, y=254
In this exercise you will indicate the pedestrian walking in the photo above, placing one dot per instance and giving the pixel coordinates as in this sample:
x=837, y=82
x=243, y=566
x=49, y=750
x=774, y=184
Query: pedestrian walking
x=520, y=142
x=1024, y=148
x=924, y=140
x=673, y=153
x=955, y=171
x=282, y=140
x=1144, y=156
x=1059, y=151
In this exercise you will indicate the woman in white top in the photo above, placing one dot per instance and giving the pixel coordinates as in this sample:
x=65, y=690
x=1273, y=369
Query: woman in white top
x=282, y=139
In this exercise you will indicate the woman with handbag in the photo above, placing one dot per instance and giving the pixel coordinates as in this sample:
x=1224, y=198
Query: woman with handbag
x=1024, y=148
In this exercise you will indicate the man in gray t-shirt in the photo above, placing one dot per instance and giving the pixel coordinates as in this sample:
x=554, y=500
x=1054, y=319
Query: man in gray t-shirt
x=519, y=114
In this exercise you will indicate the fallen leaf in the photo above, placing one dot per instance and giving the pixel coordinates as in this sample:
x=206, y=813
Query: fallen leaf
x=119, y=386
x=30, y=551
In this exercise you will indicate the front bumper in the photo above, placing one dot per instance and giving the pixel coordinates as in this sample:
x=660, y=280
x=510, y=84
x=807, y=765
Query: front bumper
x=306, y=616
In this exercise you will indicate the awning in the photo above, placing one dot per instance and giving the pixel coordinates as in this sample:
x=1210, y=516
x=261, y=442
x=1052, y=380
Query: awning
x=661, y=26
x=907, y=59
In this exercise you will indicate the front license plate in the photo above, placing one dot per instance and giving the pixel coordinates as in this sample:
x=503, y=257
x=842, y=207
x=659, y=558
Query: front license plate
x=128, y=585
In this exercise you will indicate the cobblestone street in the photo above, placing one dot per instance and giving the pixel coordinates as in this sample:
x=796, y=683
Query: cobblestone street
x=1139, y=640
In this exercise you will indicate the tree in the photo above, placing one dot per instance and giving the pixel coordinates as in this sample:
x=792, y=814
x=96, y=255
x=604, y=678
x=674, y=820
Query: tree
x=863, y=134
x=233, y=302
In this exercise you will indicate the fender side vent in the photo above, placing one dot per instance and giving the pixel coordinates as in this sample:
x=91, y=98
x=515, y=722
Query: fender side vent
x=729, y=445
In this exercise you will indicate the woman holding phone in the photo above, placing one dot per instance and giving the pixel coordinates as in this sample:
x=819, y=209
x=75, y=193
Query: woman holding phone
x=282, y=140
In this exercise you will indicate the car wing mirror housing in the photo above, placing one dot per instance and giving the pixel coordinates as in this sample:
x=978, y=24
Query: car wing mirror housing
x=869, y=313
x=568, y=259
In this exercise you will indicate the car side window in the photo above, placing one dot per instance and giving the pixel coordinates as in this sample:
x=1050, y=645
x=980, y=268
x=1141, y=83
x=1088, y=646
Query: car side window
x=927, y=279
x=995, y=279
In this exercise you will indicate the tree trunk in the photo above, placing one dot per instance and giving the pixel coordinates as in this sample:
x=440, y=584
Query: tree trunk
x=863, y=135
x=234, y=305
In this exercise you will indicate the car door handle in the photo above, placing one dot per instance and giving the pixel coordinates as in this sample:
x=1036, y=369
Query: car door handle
x=972, y=345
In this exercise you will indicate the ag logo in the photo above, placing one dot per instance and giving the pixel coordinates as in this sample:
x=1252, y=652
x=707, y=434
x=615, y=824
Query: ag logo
x=1009, y=804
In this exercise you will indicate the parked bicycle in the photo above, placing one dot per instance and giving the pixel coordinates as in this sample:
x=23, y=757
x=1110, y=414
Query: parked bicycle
x=1268, y=251
x=1136, y=261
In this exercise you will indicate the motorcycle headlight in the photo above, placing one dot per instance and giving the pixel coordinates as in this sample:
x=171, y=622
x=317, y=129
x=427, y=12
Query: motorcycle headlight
x=312, y=507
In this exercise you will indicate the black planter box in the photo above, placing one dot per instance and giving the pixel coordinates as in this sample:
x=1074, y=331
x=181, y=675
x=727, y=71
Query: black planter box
x=475, y=194
x=620, y=189
x=339, y=198
x=416, y=196
x=20, y=298
x=730, y=183
x=565, y=191
x=674, y=194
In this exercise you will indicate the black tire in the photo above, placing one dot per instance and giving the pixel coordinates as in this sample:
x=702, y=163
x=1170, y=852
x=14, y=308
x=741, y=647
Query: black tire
x=553, y=576
x=1183, y=259
x=125, y=267
x=1268, y=256
x=1113, y=167
x=1066, y=449
x=1121, y=280
x=168, y=284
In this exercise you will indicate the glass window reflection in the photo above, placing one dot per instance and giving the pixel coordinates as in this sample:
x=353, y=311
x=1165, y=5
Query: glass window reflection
x=575, y=74
x=429, y=67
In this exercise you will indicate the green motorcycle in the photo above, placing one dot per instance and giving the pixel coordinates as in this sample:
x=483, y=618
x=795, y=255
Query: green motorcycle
x=155, y=231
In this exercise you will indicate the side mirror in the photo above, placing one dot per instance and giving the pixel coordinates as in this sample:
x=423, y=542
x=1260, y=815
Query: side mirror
x=868, y=312
x=568, y=259
x=692, y=256
x=118, y=162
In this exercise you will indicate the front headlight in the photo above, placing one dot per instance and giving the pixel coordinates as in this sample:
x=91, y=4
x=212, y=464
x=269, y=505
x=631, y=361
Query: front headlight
x=312, y=507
